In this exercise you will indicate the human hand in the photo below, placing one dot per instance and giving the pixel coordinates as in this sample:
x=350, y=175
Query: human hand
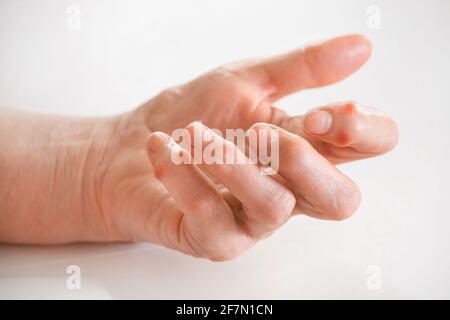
x=178, y=206
x=67, y=179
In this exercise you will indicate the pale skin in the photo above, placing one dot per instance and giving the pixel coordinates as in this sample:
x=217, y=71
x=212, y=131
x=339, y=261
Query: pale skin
x=66, y=179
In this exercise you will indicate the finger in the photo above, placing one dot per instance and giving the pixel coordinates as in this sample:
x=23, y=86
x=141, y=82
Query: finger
x=207, y=226
x=320, y=189
x=266, y=204
x=346, y=131
x=313, y=66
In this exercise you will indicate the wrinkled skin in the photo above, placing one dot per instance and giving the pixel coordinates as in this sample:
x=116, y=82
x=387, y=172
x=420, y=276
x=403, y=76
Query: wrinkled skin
x=123, y=186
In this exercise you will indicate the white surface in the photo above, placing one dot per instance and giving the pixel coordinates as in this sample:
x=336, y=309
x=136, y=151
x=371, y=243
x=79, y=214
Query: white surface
x=126, y=51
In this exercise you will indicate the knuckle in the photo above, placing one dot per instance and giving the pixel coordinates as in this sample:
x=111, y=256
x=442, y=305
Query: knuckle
x=275, y=217
x=351, y=128
x=350, y=108
x=281, y=209
x=240, y=92
x=160, y=170
x=349, y=133
x=287, y=202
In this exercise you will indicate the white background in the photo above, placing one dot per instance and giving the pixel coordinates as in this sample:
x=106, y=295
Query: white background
x=127, y=51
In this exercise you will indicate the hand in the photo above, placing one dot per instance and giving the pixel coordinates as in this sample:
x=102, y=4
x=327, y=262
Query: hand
x=66, y=179
x=179, y=207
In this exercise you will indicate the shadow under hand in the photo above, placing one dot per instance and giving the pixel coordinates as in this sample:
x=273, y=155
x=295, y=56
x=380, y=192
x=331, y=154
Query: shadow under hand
x=120, y=271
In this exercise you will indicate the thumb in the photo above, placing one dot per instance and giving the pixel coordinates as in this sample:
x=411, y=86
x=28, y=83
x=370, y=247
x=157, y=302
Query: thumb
x=309, y=67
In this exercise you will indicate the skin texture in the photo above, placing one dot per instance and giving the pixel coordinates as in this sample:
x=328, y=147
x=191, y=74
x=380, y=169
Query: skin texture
x=66, y=179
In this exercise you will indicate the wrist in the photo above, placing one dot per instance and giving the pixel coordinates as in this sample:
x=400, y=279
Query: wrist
x=51, y=168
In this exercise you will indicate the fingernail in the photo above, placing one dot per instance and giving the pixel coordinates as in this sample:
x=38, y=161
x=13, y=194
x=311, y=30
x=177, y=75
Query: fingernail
x=318, y=122
x=156, y=141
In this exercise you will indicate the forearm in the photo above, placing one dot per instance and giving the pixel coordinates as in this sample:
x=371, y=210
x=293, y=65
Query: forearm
x=48, y=176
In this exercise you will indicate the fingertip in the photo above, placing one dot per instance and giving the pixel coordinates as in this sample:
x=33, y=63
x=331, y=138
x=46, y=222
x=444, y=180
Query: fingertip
x=156, y=140
x=362, y=47
x=359, y=41
x=345, y=54
x=357, y=38
x=349, y=204
x=395, y=136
